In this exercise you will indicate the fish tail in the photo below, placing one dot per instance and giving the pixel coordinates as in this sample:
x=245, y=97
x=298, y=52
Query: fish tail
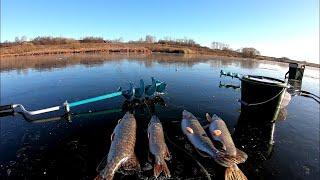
x=98, y=177
x=107, y=173
x=161, y=166
x=234, y=173
x=241, y=156
x=227, y=160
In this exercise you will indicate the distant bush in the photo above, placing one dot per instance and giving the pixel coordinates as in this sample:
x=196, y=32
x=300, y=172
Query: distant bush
x=92, y=39
x=182, y=42
x=249, y=52
x=227, y=49
x=7, y=44
x=20, y=40
x=117, y=40
x=48, y=40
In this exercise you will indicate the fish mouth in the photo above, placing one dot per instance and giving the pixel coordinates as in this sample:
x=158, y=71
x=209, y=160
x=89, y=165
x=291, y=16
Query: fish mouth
x=155, y=119
x=186, y=114
x=128, y=115
x=219, y=144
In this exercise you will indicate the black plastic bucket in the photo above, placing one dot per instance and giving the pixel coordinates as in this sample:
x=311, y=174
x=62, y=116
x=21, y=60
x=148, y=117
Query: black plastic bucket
x=261, y=97
x=296, y=71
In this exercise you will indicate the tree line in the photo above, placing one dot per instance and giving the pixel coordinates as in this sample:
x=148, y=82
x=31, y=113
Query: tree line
x=49, y=40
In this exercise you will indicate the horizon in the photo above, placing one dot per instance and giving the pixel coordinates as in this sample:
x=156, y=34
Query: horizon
x=279, y=29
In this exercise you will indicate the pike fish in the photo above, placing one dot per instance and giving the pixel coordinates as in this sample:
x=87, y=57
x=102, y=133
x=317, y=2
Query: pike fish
x=197, y=136
x=158, y=147
x=219, y=132
x=121, y=152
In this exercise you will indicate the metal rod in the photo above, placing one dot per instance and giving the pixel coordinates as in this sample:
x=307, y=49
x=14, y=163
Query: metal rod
x=66, y=106
x=18, y=107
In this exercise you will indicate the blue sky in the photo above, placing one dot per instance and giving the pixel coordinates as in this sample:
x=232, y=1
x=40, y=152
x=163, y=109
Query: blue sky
x=275, y=27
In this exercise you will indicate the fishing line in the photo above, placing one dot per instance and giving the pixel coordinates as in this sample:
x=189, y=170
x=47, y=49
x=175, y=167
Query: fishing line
x=190, y=156
x=149, y=111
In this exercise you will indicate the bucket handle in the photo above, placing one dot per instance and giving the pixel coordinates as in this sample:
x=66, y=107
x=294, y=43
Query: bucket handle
x=263, y=102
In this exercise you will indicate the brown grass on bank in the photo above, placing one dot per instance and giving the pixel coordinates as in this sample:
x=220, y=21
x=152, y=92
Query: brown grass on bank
x=50, y=45
x=32, y=49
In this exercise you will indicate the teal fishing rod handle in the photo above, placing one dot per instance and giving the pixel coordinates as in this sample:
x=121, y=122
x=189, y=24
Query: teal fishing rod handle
x=94, y=99
x=6, y=108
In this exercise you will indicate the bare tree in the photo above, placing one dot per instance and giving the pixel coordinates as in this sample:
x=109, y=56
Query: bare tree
x=249, y=52
x=118, y=40
x=17, y=40
x=23, y=39
x=219, y=45
x=140, y=40
x=150, y=39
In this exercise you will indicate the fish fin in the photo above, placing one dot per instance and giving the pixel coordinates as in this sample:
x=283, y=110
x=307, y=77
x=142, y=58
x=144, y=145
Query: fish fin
x=112, y=136
x=99, y=177
x=131, y=163
x=103, y=163
x=202, y=154
x=167, y=154
x=241, y=156
x=227, y=160
x=161, y=166
x=189, y=130
x=209, y=119
x=223, y=159
x=234, y=173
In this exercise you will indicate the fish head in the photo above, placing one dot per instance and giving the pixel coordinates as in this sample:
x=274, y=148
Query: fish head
x=216, y=135
x=154, y=119
x=127, y=116
x=215, y=117
x=184, y=125
x=187, y=115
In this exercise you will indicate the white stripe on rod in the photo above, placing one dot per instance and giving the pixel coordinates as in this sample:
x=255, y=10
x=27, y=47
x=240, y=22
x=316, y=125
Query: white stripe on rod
x=41, y=111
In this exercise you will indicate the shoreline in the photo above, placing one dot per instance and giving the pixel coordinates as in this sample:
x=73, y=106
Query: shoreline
x=27, y=49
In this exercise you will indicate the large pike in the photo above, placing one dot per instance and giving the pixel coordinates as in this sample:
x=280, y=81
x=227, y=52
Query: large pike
x=199, y=139
x=121, y=153
x=219, y=132
x=158, y=147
